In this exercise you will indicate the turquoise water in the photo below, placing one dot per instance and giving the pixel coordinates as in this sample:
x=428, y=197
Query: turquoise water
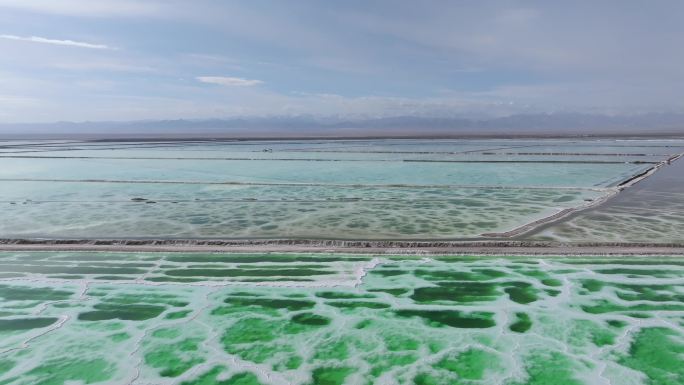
x=354, y=189
x=339, y=173
x=188, y=211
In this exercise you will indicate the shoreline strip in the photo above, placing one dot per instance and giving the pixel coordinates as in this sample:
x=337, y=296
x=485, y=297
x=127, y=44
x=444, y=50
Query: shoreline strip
x=436, y=247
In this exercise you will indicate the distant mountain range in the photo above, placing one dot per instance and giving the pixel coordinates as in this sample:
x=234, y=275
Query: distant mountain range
x=557, y=124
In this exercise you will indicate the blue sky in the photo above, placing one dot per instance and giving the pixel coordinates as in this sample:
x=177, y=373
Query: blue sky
x=83, y=60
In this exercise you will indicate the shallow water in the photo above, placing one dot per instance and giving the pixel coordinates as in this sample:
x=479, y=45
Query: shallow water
x=308, y=172
x=650, y=211
x=188, y=211
x=350, y=189
x=333, y=319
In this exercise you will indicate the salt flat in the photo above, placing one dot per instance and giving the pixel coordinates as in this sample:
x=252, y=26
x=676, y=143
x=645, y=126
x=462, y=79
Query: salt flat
x=335, y=262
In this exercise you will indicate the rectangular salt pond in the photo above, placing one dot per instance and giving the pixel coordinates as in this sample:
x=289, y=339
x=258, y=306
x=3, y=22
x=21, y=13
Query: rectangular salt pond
x=352, y=189
x=103, y=210
x=108, y=318
x=308, y=172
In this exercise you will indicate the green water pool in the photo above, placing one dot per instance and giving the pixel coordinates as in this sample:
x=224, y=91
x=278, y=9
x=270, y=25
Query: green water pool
x=189, y=318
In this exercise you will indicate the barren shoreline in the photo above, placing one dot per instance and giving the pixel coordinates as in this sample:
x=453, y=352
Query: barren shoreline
x=335, y=246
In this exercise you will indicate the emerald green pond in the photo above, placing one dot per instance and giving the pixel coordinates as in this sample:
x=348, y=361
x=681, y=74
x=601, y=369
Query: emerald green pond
x=116, y=318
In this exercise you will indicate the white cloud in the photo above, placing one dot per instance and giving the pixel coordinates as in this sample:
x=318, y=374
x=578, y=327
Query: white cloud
x=72, y=43
x=229, y=81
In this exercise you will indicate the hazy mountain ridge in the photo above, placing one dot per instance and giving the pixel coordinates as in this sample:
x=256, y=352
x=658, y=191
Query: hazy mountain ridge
x=569, y=124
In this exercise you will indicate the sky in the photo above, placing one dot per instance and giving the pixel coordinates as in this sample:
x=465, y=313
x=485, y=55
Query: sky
x=109, y=60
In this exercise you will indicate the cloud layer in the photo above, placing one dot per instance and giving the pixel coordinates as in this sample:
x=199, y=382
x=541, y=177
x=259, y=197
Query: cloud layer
x=229, y=81
x=43, y=40
x=167, y=59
